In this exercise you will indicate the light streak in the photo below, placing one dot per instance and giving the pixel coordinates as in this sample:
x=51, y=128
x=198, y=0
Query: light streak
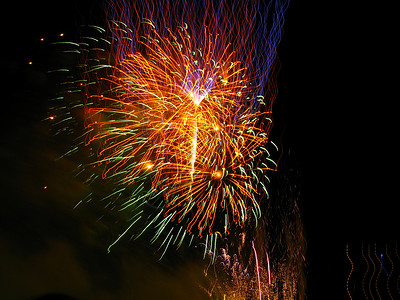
x=257, y=270
x=390, y=273
x=351, y=271
x=382, y=266
x=384, y=287
x=194, y=148
x=268, y=268
x=366, y=272
x=373, y=271
x=379, y=273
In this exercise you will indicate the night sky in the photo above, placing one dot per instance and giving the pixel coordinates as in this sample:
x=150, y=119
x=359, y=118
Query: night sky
x=335, y=119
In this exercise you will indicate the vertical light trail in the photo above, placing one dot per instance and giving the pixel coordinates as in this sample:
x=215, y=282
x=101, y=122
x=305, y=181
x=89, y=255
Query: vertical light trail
x=257, y=268
x=366, y=272
x=269, y=269
x=383, y=267
x=351, y=271
x=194, y=149
x=373, y=272
x=390, y=273
x=197, y=98
x=379, y=273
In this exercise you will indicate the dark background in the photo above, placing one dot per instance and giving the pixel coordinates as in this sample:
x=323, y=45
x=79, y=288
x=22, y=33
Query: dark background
x=337, y=70
x=336, y=112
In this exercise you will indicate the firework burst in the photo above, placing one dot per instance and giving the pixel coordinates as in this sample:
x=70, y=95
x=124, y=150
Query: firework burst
x=179, y=117
x=177, y=110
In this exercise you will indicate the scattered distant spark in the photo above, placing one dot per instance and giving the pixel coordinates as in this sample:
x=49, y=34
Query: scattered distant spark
x=178, y=111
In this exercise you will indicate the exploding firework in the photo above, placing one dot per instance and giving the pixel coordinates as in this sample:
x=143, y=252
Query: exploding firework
x=179, y=118
x=171, y=108
x=177, y=102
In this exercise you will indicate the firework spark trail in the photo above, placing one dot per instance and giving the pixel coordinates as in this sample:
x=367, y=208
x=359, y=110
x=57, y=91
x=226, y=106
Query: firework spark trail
x=351, y=271
x=390, y=273
x=373, y=271
x=366, y=271
x=382, y=266
x=268, y=268
x=180, y=111
x=379, y=273
x=257, y=270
